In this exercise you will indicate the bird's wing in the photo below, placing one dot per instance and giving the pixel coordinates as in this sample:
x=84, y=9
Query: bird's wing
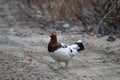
x=53, y=47
x=63, y=45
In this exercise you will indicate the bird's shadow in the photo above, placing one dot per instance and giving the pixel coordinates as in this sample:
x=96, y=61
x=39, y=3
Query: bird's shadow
x=61, y=67
x=56, y=67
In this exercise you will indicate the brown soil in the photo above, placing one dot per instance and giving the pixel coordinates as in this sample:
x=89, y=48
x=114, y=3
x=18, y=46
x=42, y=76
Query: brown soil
x=24, y=56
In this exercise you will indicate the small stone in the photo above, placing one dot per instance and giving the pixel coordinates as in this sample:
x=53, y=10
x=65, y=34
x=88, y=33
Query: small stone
x=55, y=68
x=66, y=25
x=111, y=38
x=2, y=1
x=11, y=31
x=3, y=23
x=84, y=76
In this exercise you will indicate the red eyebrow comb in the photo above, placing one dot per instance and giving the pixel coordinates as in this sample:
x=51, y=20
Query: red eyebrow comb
x=53, y=33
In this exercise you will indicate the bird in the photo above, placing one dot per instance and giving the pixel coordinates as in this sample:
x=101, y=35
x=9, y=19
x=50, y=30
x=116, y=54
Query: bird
x=61, y=52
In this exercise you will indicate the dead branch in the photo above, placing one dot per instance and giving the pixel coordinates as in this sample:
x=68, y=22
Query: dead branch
x=101, y=21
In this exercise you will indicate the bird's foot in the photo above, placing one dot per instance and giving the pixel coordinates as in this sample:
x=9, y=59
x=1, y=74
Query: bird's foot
x=59, y=67
x=55, y=68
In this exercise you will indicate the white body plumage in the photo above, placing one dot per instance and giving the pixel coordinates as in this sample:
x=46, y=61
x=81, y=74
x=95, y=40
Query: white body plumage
x=61, y=52
x=64, y=54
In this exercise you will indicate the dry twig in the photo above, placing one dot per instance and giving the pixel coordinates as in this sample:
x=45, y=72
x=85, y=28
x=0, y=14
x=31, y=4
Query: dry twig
x=101, y=21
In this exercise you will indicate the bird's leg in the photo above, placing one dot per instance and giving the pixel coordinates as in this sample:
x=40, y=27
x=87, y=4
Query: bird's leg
x=66, y=63
x=57, y=65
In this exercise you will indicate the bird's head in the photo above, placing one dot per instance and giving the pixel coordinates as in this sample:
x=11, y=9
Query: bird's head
x=53, y=37
x=52, y=34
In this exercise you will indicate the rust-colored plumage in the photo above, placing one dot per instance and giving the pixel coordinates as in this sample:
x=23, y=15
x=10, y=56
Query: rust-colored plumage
x=53, y=44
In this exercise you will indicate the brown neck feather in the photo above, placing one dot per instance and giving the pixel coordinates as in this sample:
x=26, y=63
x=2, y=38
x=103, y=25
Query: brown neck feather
x=53, y=44
x=53, y=40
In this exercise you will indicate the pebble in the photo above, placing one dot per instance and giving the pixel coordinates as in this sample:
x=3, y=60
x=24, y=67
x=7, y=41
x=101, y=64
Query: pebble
x=66, y=25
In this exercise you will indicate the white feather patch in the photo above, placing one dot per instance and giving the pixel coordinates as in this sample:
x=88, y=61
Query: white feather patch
x=65, y=53
x=79, y=41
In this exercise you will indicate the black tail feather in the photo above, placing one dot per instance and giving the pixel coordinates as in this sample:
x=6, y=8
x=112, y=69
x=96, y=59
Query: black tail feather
x=81, y=46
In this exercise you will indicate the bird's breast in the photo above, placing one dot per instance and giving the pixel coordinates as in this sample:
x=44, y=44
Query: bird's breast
x=61, y=55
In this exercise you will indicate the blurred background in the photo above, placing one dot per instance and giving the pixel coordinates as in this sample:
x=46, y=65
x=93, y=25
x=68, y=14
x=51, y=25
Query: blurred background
x=24, y=36
x=93, y=17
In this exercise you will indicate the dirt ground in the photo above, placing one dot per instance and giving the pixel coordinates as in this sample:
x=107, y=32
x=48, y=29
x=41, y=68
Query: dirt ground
x=24, y=55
